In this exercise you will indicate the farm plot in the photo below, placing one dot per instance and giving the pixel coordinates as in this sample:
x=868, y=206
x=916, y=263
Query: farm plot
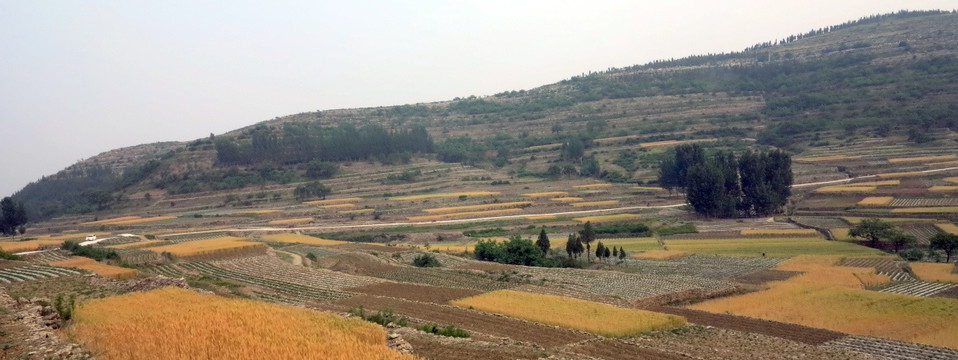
x=918, y=288
x=883, y=266
x=29, y=245
x=272, y=268
x=595, y=203
x=433, y=347
x=926, y=210
x=287, y=290
x=832, y=297
x=891, y=349
x=463, y=215
x=704, y=266
x=139, y=244
x=659, y=255
x=291, y=221
x=101, y=269
x=300, y=239
x=546, y=194
x=935, y=272
x=948, y=228
x=821, y=222
x=770, y=247
x=445, y=278
x=846, y=189
x=215, y=247
x=943, y=188
x=608, y=218
x=471, y=320
x=444, y=195
x=919, y=159
x=333, y=201
x=923, y=202
x=629, y=287
x=794, y=332
x=827, y=158
x=921, y=232
x=32, y=272
x=780, y=232
x=876, y=201
x=44, y=257
x=901, y=174
x=414, y=292
x=597, y=318
x=129, y=220
x=173, y=323
x=593, y=186
x=479, y=207
x=168, y=270
x=567, y=199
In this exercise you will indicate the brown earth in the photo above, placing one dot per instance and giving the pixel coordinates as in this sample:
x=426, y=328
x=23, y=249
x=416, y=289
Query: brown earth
x=415, y=292
x=614, y=349
x=764, y=276
x=799, y=333
x=435, y=347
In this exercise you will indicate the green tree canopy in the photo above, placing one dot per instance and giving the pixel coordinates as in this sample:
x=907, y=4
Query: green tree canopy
x=872, y=229
x=945, y=242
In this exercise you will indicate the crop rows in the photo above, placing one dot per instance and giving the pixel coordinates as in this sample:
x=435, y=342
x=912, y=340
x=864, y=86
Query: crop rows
x=891, y=349
x=269, y=267
x=886, y=267
x=290, y=290
x=32, y=272
x=712, y=267
x=444, y=278
x=48, y=256
x=168, y=270
x=918, y=288
x=918, y=202
x=193, y=237
x=626, y=286
x=922, y=233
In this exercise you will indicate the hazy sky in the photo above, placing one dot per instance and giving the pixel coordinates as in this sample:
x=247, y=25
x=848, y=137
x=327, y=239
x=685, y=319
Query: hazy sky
x=78, y=78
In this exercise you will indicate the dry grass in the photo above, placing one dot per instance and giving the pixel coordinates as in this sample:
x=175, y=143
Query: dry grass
x=828, y=158
x=595, y=203
x=173, y=323
x=101, y=269
x=782, y=247
x=128, y=220
x=218, y=245
x=901, y=174
x=480, y=207
x=567, y=199
x=445, y=195
x=356, y=212
x=647, y=188
x=139, y=244
x=29, y=245
x=948, y=228
x=300, y=239
x=291, y=221
x=942, y=164
x=935, y=272
x=831, y=297
x=877, y=183
x=593, y=186
x=659, y=255
x=594, y=317
x=953, y=180
x=608, y=218
x=926, y=210
x=334, y=201
x=541, y=217
x=939, y=188
x=845, y=188
x=337, y=206
x=546, y=194
x=841, y=234
x=673, y=142
x=922, y=159
x=778, y=232
x=464, y=215
x=876, y=200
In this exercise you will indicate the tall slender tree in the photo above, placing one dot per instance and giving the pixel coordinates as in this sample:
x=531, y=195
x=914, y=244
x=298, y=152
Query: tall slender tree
x=587, y=236
x=543, y=241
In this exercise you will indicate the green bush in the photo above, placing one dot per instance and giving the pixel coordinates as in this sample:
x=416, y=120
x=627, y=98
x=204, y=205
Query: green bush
x=8, y=256
x=449, y=330
x=383, y=317
x=426, y=260
x=95, y=252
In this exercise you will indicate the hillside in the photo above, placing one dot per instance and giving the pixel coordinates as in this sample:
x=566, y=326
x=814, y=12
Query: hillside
x=880, y=76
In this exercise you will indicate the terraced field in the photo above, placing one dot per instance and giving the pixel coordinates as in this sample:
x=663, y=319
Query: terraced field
x=919, y=288
x=32, y=272
x=891, y=349
x=283, y=289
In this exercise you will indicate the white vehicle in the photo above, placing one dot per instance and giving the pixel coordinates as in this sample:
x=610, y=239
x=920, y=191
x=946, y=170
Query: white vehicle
x=90, y=237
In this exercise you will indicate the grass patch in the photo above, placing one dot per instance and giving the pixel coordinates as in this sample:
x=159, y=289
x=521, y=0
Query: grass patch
x=593, y=317
x=901, y=174
x=935, y=272
x=827, y=158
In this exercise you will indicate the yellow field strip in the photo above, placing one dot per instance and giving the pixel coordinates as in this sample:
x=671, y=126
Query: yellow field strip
x=876, y=200
x=567, y=199
x=659, y=255
x=452, y=209
x=463, y=215
x=774, y=232
x=953, y=179
x=876, y=183
x=29, y=245
x=541, y=217
x=595, y=203
x=593, y=317
x=615, y=138
x=301, y=239
x=593, y=186
x=942, y=164
x=104, y=270
x=845, y=188
x=546, y=194
x=935, y=272
x=926, y=210
x=948, y=228
x=607, y=218
x=337, y=206
x=827, y=158
x=647, y=188
x=333, y=201
x=173, y=323
x=208, y=246
x=854, y=220
x=923, y=159
x=943, y=188
x=445, y=195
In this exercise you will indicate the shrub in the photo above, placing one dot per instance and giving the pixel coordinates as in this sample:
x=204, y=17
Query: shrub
x=449, y=330
x=383, y=317
x=65, y=308
x=426, y=260
x=8, y=256
x=93, y=252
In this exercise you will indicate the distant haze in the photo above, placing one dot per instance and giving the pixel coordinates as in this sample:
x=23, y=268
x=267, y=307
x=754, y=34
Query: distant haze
x=78, y=78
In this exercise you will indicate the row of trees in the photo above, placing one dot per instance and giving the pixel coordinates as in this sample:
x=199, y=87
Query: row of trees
x=721, y=185
x=13, y=217
x=876, y=231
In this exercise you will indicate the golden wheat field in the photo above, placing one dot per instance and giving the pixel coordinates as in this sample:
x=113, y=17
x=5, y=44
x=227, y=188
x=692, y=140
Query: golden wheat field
x=831, y=297
x=595, y=203
x=846, y=188
x=592, y=186
x=922, y=159
x=925, y=210
x=942, y=164
x=333, y=201
x=337, y=206
x=172, y=323
x=445, y=195
x=943, y=188
x=827, y=158
x=608, y=218
x=935, y=272
x=101, y=269
x=901, y=174
x=546, y=194
x=779, y=232
x=464, y=215
x=659, y=254
x=953, y=179
x=466, y=208
x=647, y=188
x=139, y=244
x=541, y=217
x=301, y=239
x=291, y=221
x=29, y=245
x=218, y=245
x=841, y=233
x=948, y=228
x=876, y=200
x=567, y=199
x=877, y=183
x=594, y=317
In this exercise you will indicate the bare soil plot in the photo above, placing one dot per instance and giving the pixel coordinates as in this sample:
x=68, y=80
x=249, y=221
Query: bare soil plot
x=803, y=334
x=891, y=349
x=614, y=349
x=445, y=278
x=716, y=343
x=355, y=263
x=414, y=292
x=435, y=347
x=519, y=330
x=764, y=276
